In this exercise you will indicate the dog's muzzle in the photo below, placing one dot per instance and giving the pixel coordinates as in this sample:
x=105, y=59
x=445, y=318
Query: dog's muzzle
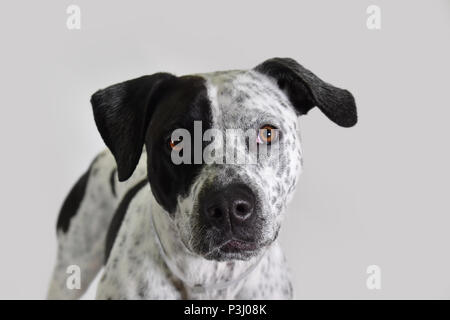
x=230, y=213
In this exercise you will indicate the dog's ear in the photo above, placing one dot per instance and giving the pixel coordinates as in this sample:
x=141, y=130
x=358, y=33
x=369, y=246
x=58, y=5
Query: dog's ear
x=122, y=113
x=305, y=91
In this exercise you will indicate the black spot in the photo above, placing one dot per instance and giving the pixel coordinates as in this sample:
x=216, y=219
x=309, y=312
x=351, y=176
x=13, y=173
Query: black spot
x=119, y=215
x=142, y=290
x=115, y=262
x=72, y=202
x=112, y=181
x=94, y=171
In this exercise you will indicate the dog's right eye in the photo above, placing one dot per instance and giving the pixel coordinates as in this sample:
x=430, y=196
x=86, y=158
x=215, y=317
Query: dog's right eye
x=174, y=144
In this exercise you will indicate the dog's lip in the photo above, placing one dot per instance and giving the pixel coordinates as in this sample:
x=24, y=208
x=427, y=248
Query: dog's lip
x=238, y=245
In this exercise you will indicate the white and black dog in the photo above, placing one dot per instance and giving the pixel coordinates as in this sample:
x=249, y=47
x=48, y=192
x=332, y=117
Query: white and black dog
x=200, y=230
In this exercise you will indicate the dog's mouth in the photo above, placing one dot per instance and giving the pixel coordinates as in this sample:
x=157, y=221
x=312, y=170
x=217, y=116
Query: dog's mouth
x=235, y=246
x=235, y=249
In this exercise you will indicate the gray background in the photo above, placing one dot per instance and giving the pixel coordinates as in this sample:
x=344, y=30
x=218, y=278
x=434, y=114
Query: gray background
x=373, y=194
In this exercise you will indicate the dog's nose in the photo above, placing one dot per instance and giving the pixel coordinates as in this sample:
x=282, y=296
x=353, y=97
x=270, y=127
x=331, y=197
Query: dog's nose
x=233, y=204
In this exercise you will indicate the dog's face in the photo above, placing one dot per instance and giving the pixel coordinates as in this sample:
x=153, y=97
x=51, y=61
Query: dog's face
x=223, y=209
x=226, y=210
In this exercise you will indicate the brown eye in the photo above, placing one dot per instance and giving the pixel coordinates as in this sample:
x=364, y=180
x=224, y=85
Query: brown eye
x=267, y=134
x=174, y=144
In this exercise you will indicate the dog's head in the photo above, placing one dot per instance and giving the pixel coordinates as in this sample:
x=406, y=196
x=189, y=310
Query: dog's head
x=224, y=208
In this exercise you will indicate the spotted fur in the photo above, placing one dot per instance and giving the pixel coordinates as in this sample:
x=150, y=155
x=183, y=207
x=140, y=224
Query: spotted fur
x=162, y=251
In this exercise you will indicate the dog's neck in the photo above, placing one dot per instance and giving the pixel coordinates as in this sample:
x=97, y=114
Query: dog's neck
x=197, y=273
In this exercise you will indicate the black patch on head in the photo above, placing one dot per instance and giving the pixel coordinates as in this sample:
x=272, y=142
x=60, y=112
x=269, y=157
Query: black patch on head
x=112, y=181
x=73, y=200
x=188, y=102
x=147, y=110
x=305, y=91
x=118, y=217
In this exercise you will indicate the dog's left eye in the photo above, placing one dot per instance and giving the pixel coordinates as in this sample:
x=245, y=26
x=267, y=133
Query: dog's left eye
x=267, y=134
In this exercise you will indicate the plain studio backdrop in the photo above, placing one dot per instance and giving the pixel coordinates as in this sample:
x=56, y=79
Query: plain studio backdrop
x=375, y=194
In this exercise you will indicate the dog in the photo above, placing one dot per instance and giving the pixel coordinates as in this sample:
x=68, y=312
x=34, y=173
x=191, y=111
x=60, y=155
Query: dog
x=198, y=230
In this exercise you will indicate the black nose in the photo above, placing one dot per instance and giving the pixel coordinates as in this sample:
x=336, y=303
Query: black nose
x=234, y=204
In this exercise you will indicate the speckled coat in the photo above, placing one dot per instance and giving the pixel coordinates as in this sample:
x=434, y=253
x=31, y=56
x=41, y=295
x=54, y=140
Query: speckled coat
x=153, y=253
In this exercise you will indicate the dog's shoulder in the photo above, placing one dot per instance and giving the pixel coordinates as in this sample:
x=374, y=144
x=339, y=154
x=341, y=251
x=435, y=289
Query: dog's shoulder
x=101, y=169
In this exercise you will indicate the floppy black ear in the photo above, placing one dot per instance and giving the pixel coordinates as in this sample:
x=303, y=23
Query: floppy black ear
x=305, y=91
x=122, y=113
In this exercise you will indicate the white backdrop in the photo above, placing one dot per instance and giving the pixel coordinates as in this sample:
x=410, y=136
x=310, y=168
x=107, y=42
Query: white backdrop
x=373, y=194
